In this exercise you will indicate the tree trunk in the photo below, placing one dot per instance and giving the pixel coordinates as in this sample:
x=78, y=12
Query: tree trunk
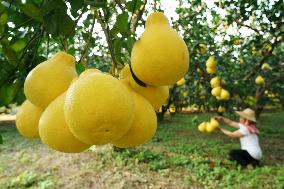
x=160, y=115
x=258, y=109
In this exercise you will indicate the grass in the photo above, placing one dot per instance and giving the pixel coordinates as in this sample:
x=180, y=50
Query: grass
x=177, y=157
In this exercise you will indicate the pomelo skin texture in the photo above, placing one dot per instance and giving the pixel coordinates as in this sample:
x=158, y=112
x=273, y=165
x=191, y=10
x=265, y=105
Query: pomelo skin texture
x=98, y=108
x=54, y=131
x=160, y=57
x=27, y=120
x=50, y=79
x=157, y=96
x=143, y=127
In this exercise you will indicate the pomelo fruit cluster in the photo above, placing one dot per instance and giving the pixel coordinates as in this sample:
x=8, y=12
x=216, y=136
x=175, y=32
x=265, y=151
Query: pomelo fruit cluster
x=209, y=126
x=70, y=113
x=217, y=89
x=211, y=65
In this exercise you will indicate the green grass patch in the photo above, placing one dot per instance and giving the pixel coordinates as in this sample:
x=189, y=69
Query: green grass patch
x=178, y=152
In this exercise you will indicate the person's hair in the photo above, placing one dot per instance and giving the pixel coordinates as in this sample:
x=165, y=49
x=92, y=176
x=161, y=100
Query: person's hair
x=251, y=126
x=250, y=122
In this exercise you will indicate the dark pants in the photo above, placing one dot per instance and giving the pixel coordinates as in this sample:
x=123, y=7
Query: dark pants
x=243, y=158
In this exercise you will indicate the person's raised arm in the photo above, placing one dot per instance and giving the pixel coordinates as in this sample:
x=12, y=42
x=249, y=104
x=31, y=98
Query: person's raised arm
x=228, y=121
x=235, y=134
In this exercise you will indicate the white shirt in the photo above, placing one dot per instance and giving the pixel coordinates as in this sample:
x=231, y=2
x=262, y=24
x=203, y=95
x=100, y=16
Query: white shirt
x=249, y=142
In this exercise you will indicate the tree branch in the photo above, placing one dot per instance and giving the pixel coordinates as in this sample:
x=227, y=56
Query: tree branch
x=260, y=91
x=119, y=5
x=84, y=52
x=106, y=30
x=138, y=17
x=258, y=65
x=17, y=27
x=247, y=26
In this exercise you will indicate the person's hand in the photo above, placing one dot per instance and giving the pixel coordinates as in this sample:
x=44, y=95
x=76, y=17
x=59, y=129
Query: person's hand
x=218, y=118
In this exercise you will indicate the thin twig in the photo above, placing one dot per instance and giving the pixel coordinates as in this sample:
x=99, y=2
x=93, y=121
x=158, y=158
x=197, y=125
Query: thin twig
x=17, y=27
x=119, y=5
x=138, y=17
x=247, y=26
x=33, y=38
x=65, y=43
x=8, y=7
x=47, y=46
x=84, y=52
x=106, y=30
x=132, y=14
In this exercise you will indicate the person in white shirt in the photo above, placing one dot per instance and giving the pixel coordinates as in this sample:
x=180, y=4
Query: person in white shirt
x=250, y=152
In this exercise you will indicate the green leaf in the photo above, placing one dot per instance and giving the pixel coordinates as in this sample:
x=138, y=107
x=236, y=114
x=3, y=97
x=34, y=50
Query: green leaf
x=20, y=96
x=80, y=68
x=133, y=5
x=3, y=18
x=1, y=139
x=98, y=4
x=75, y=6
x=121, y=24
x=11, y=55
x=8, y=93
x=129, y=44
x=2, y=8
x=117, y=50
x=2, y=29
x=32, y=11
x=18, y=45
x=56, y=20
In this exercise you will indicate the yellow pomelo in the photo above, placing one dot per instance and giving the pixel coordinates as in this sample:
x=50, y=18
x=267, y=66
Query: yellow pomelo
x=181, y=82
x=157, y=96
x=89, y=71
x=202, y=127
x=125, y=72
x=237, y=42
x=98, y=109
x=259, y=80
x=160, y=57
x=224, y=95
x=221, y=109
x=143, y=127
x=216, y=91
x=215, y=82
x=210, y=70
x=209, y=128
x=50, y=79
x=211, y=62
x=27, y=120
x=214, y=123
x=54, y=131
x=202, y=48
x=265, y=67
